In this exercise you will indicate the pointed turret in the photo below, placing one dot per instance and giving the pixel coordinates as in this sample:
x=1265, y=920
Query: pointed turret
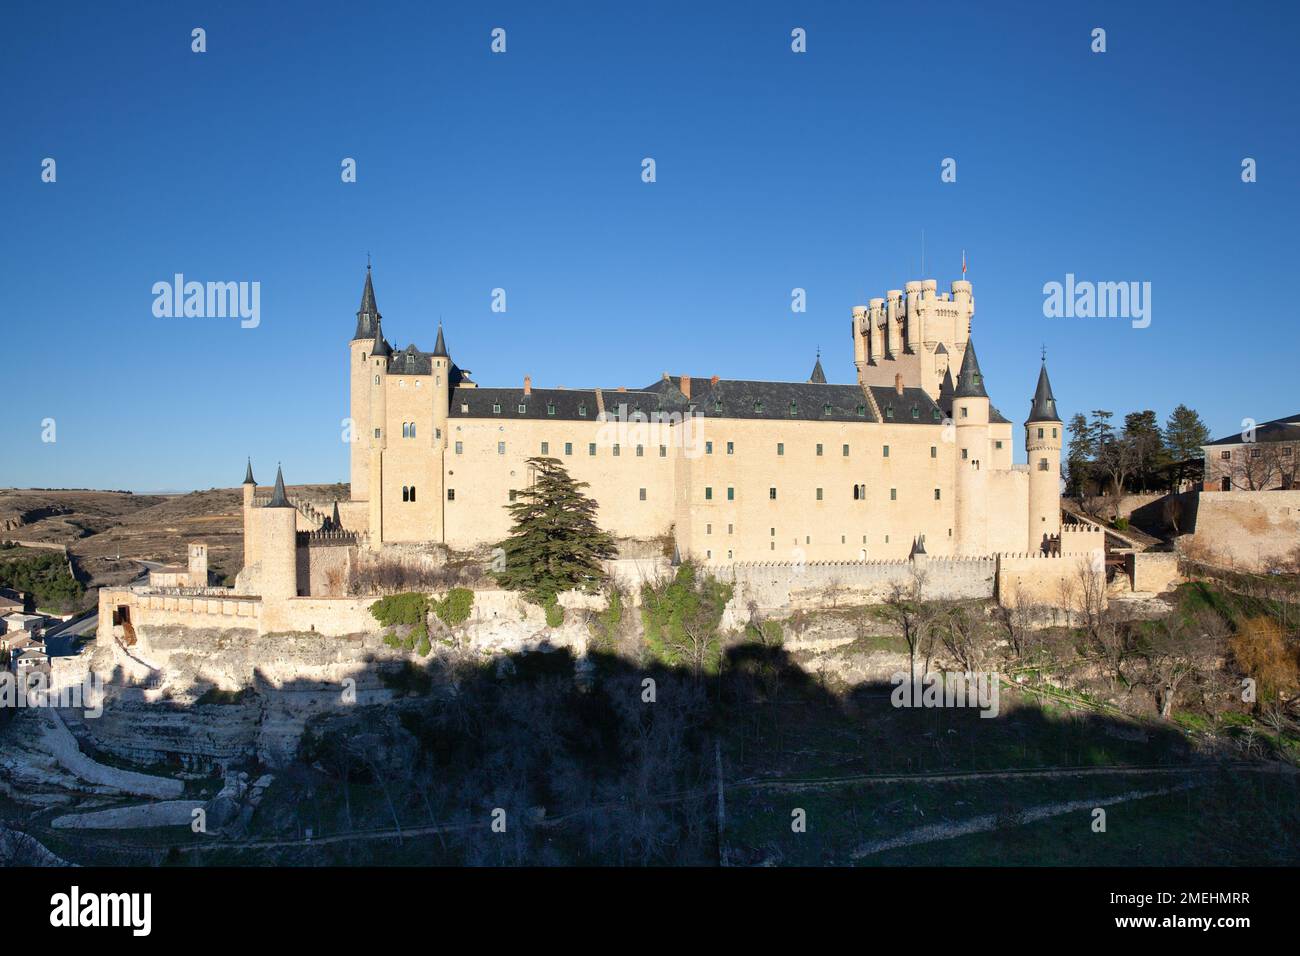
x=278, y=498
x=970, y=382
x=818, y=377
x=440, y=347
x=380, y=346
x=1043, y=408
x=368, y=315
x=335, y=523
x=248, y=473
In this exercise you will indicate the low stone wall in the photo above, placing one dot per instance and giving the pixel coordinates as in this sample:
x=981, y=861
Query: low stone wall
x=1251, y=530
x=1047, y=580
x=1153, y=571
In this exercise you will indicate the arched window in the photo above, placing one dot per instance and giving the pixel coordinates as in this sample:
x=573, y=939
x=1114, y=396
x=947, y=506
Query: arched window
x=855, y=493
x=406, y=493
x=412, y=492
x=406, y=430
x=412, y=429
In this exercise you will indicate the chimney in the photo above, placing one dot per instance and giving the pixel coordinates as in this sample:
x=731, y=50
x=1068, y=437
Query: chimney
x=898, y=383
x=714, y=380
x=528, y=385
x=622, y=388
x=686, y=386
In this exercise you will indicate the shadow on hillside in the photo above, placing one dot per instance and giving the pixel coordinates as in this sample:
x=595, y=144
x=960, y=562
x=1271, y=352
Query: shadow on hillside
x=538, y=758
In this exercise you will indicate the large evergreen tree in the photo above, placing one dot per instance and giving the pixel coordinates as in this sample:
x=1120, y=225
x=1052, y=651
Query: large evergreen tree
x=1185, y=433
x=555, y=544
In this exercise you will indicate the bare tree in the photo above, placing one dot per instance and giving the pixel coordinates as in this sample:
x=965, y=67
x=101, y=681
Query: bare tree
x=906, y=608
x=963, y=637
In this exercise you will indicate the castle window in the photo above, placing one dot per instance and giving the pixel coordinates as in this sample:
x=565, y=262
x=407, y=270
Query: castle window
x=758, y=406
x=1042, y=464
x=893, y=496
x=934, y=451
x=819, y=494
x=965, y=413
x=451, y=494
x=1226, y=455
x=708, y=448
x=862, y=411
x=412, y=492
x=730, y=528
x=889, y=412
x=464, y=408
x=780, y=448
x=771, y=493
x=997, y=444
x=640, y=451
x=523, y=409
x=546, y=448
x=916, y=412
x=1286, y=451
x=643, y=494
x=728, y=555
x=1053, y=432
x=406, y=493
x=1254, y=453
x=568, y=448
x=708, y=494
x=501, y=448
x=794, y=409
x=772, y=531
x=496, y=408
x=591, y=448
x=376, y=379
x=731, y=494
x=731, y=448
x=550, y=408
x=708, y=529
x=855, y=493
x=819, y=449
x=460, y=447
x=885, y=452
x=845, y=451
x=406, y=429
x=935, y=414
x=582, y=409
x=412, y=429
x=964, y=454
x=663, y=451
x=708, y=554
x=363, y=356
x=616, y=451
x=1040, y=431
x=936, y=494
x=826, y=409
x=717, y=407
x=377, y=431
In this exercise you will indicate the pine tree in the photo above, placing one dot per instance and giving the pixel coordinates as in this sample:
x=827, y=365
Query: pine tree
x=1185, y=433
x=555, y=544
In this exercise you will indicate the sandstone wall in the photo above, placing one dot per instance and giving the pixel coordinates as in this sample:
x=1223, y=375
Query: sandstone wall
x=1252, y=530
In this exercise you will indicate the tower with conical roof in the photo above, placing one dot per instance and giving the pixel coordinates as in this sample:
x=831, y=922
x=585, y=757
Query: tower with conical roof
x=277, y=544
x=250, y=490
x=1043, y=444
x=366, y=363
x=970, y=416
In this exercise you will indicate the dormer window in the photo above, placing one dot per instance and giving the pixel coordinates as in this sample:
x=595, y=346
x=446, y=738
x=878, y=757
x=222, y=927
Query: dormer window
x=496, y=408
x=717, y=406
x=758, y=405
x=522, y=408
x=826, y=409
x=464, y=408
x=862, y=411
x=935, y=414
x=794, y=409
x=550, y=408
x=889, y=412
x=916, y=412
x=582, y=409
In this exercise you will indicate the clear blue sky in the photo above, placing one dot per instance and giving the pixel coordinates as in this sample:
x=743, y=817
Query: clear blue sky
x=522, y=171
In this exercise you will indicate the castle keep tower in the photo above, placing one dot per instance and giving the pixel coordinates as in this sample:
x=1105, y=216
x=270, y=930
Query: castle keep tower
x=970, y=414
x=913, y=333
x=1043, y=443
x=277, y=533
x=359, y=375
x=375, y=400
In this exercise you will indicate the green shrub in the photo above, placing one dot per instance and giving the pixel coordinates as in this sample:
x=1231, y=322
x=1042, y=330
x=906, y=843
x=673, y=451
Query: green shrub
x=455, y=608
x=554, y=613
x=681, y=619
x=410, y=610
x=604, y=627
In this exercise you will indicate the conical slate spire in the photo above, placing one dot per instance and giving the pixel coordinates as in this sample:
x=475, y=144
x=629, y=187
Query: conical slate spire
x=248, y=474
x=970, y=382
x=278, y=498
x=818, y=377
x=440, y=347
x=380, y=346
x=335, y=523
x=368, y=315
x=1043, y=408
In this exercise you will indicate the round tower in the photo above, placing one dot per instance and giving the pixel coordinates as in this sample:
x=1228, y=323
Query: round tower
x=443, y=371
x=1043, y=444
x=360, y=377
x=250, y=538
x=278, y=544
x=970, y=415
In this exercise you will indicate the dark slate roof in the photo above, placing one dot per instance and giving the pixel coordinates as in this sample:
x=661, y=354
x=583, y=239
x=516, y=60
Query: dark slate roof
x=278, y=498
x=569, y=403
x=914, y=406
x=368, y=315
x=970, y=381
x=440, y=347
x=1043, y=407
x=248, y=473
x=381, y=346
x=818, y=377
x=997, y=418
x=1279, y=429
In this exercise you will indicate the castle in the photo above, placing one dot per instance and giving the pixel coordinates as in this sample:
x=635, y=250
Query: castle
x=912, y=455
